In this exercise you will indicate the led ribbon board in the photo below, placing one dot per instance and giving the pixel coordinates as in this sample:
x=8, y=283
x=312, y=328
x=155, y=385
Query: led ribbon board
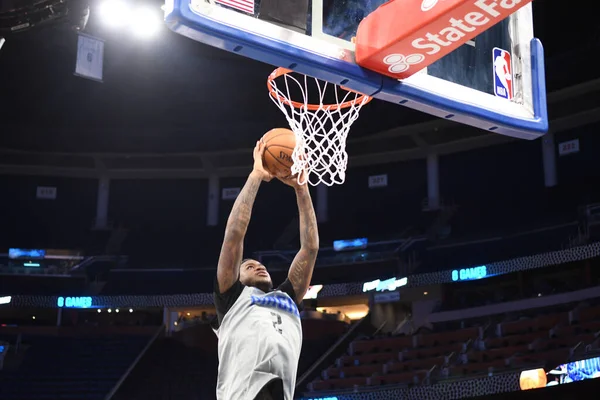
x=388, y=284
x=469, y=274
x=74, y=302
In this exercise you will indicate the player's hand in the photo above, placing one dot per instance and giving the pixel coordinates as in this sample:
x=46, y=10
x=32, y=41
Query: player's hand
x=259, y=169
x=293, y=180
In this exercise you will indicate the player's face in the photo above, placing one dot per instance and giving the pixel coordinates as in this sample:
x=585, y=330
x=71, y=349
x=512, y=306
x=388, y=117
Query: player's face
x=253, y=273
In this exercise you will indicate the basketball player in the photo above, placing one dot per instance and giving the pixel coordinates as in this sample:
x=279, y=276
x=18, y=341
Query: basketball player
x=259, y=330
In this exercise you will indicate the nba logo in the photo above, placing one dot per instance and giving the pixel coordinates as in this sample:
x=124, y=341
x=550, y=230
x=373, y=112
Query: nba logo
x=503, y=85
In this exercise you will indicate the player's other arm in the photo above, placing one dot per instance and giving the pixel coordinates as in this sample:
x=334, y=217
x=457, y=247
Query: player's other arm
x=237, y=224
x=301, y=271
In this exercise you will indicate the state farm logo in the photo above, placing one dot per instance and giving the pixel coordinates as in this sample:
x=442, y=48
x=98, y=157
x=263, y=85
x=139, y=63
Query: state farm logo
x=399, y=62
x=433, y=36
x=427, y=5
x=474, y=18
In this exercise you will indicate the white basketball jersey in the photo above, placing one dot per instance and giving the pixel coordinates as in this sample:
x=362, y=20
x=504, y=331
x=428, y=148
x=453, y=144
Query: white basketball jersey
x=260, y=339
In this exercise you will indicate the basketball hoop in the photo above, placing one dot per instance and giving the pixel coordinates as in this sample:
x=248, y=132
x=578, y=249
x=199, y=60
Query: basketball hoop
x=320, y=122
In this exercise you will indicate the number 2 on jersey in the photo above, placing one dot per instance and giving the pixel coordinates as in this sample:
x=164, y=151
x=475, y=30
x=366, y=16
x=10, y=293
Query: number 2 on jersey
x=276, y=322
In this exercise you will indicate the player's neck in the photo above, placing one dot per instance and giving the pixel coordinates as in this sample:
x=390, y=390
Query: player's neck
x=264, y=287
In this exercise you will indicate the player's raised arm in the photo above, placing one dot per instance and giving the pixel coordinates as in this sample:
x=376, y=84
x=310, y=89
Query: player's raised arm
x=237, y=224
x=302, y=267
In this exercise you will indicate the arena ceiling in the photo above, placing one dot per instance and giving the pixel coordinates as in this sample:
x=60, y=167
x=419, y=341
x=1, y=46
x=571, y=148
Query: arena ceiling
x=171, y=107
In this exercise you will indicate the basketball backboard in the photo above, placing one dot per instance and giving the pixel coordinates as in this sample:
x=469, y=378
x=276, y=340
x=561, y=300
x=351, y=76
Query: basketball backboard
x=315, y=38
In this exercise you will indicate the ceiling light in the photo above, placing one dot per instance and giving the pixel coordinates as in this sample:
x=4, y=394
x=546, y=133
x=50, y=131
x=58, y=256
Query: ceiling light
x=145, y=22
x=114, y=13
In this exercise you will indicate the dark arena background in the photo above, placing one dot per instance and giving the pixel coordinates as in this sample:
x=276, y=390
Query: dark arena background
x=454, y=262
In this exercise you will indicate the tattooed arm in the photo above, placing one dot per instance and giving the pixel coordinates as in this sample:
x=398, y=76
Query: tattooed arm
x=237, y=224
x=302, y=267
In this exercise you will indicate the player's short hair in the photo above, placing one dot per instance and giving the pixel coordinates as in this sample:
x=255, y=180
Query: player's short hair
x=244, y=260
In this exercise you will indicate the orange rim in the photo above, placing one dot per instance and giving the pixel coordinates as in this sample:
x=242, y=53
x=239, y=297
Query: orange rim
x=361, y=99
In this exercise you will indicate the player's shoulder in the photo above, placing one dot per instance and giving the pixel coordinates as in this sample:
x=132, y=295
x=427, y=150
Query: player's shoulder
x=225, y=301
x=235, y=288
x=287, y=288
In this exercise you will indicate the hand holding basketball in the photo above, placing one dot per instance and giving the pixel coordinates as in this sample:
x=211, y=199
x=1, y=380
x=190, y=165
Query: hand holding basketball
x=294, y=179
x=259, y=168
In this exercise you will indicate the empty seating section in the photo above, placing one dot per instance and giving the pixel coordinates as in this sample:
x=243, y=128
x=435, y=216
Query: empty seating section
x=523, y=342
x=393, y=360
x=386, y=345
x=496, y=347
x=433, y=352
x=377, y=358
x=359, y=371
x=318, y=337
x=70, y=367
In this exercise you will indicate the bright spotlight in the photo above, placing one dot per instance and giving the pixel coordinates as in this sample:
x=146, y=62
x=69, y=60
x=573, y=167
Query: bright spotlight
x=145, y=22
x=114, y=13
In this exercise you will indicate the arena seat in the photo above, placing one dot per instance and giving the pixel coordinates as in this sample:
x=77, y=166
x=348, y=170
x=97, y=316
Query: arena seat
x=555, y=343
x=448, y=337
x=588, y=330
x=587, y=327
x=332, y=384
x=392, y=379
x=500, y=353
x=405, y=366
x=479, y=367
x=377, y=358
x=559, y=355
x=517, y=327
x=512, y=340
x=352, y=372
x=545, y=322
x=380, y=345
x=432, y=352
x=589, y=314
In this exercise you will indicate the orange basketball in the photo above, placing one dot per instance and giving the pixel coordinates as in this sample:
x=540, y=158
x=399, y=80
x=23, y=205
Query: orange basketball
x=279, y=146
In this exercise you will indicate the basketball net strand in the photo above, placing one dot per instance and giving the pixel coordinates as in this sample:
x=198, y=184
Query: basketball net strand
x=320, y=134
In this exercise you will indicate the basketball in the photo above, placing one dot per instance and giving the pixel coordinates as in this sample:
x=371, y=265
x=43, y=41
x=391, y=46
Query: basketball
x=279, y=146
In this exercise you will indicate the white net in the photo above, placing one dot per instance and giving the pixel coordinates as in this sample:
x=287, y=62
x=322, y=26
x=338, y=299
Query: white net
x=320, y=127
